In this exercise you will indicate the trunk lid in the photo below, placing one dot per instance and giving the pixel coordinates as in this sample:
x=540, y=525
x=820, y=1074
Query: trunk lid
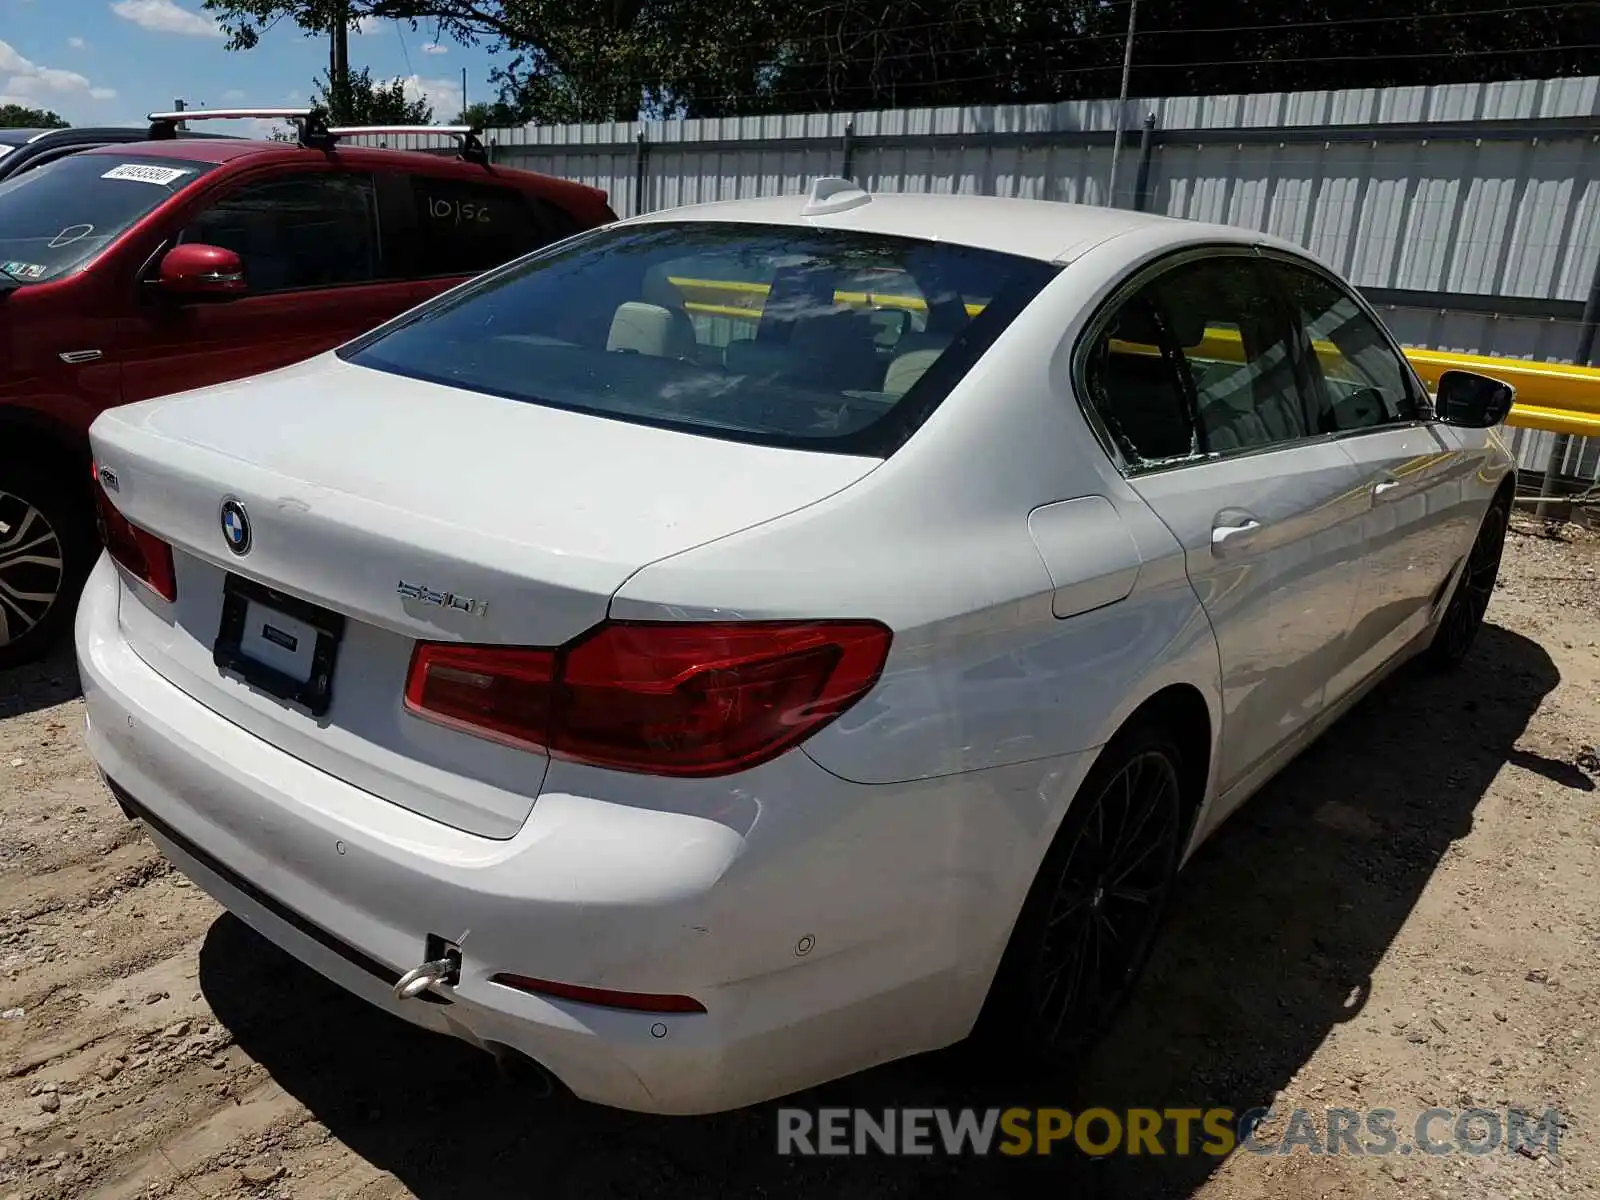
x=414, y=511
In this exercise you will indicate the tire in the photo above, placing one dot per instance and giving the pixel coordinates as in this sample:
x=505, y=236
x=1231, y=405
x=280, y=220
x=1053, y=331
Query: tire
x=1463, y=617
x=47, y=545
x=1083, y=925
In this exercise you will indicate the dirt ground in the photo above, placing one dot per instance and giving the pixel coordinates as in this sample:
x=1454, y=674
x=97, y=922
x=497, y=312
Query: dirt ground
x=1409, y=917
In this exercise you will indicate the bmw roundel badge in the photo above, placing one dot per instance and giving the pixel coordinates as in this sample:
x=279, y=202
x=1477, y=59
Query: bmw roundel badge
x=235, y=526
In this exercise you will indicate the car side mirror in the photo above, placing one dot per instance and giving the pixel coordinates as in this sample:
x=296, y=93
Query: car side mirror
x=193, y=271
x=1473, y=401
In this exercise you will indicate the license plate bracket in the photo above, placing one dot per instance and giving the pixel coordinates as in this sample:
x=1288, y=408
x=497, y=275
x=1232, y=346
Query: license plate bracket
x=296, y=677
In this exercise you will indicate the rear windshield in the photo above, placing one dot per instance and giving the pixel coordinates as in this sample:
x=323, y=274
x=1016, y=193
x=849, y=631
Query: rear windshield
x=55, y=218
x=787, y=336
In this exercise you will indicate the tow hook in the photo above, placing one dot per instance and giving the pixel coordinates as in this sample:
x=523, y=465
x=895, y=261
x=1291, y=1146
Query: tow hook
x=442, y=969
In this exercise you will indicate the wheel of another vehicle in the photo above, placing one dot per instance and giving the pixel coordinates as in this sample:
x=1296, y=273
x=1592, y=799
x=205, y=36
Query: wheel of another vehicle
x=47, y=545
x=1091, y=918
x=1459, y=626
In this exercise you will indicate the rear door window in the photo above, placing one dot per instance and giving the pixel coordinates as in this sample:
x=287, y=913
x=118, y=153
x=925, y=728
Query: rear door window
x=1198, y=362
x=297, y=232
x=783, y=335
x=464, y=227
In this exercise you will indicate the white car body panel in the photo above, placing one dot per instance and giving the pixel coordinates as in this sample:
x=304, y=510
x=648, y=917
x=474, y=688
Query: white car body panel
x=359, y=482
x=640, y=883
x=848, y=901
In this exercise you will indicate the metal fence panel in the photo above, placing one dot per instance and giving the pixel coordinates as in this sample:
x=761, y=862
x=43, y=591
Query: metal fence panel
x=1470, y=213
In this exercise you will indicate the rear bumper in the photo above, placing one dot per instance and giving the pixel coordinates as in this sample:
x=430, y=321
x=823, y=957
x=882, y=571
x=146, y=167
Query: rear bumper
x=825, y=926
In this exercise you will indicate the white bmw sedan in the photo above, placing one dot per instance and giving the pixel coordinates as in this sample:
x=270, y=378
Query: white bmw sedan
x=747, y=643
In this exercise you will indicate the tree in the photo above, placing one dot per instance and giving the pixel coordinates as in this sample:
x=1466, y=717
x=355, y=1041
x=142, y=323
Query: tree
x=362, y=102
x=616, y=59
x=495, y=115
x=15, y=116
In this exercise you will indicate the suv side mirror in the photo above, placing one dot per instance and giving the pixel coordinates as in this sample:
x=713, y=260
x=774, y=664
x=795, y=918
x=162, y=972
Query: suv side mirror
x=192, y=271
x=1473, y=401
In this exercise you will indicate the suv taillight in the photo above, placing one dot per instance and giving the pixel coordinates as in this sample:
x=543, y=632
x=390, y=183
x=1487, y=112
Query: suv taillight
x=693, y=699
x=143, y=555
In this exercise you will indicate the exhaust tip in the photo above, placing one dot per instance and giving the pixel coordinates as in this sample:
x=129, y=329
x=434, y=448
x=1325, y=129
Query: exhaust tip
x=526, y=1074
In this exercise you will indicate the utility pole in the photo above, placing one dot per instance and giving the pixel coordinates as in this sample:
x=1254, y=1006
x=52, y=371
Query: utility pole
x=339, y=59
x=1122, y=103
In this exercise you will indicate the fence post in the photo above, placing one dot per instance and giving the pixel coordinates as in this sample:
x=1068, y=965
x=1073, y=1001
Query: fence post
x=641, y=159
x=1583, y=356
x=1141, y=181
x=847, y=168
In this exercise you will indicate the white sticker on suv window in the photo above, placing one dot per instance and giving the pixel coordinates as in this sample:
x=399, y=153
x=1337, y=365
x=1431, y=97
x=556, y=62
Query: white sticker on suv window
x=144, y=173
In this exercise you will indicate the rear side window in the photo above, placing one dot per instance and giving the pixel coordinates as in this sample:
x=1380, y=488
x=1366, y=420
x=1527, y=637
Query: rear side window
x=303, y=231
x=787, y=336
x=1199, y=361
x=465, y=227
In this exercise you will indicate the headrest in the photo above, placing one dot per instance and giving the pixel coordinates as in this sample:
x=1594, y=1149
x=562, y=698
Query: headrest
x=905, y=370
x=639, y=328
x=922, y=341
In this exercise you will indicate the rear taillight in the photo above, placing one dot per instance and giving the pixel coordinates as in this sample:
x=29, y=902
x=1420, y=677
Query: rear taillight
x=143, y=555
x=694, y=699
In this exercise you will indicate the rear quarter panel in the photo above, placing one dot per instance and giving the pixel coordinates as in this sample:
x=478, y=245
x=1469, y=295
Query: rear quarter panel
x=936, y=543
x=987, y=696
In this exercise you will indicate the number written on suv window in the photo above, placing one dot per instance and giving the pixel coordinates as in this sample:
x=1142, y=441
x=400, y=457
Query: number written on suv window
x=469, y=227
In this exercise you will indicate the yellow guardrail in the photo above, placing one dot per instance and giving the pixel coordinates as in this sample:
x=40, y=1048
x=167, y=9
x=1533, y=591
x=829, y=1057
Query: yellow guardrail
x=725, y=298
x=1550, y=396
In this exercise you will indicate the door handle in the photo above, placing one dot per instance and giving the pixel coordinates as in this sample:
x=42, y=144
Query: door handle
x=1237, y=531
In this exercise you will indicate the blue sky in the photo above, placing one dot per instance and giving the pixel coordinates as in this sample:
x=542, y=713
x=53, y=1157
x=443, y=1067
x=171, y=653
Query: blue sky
x=108, y=62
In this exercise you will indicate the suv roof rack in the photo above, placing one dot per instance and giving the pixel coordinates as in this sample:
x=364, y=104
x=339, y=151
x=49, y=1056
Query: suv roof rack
x=311, y=130
x=472, y=149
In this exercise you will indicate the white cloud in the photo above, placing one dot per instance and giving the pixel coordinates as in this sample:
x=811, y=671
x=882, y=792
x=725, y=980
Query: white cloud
x=24, y=81
x=233, y=95
x=434, y=48
x=257, y=127
x=43, y=80
x=165, y=16
x=367, y=26
x=77, y=43
x=443, y=94
x=250, y=127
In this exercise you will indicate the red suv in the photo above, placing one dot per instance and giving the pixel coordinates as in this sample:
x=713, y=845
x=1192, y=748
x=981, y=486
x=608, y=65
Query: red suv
x=147, y=268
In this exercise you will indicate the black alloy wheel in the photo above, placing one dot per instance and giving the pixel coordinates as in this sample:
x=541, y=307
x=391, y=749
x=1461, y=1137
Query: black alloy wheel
x=47, y=545
x=1096, y=907
x=1459, y=626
